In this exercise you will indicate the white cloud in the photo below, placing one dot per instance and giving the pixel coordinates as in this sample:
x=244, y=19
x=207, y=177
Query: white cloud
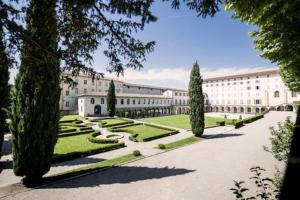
x=178, y=77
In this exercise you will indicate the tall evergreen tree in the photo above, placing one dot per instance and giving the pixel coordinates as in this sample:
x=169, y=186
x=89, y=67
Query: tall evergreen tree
x=111, y=99
x=196, y=101
x=35, y=105
x=4, y=88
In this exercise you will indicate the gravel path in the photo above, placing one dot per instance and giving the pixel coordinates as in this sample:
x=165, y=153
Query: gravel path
x=204, y=170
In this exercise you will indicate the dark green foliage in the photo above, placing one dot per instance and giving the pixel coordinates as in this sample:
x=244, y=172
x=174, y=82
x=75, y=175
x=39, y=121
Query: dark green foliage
x=238, y=124
x=196, y=101
x=93, y=138
x=111, y=99
x=35, y=104
x=161, y=146
x=4, y=88
x=220, y=123
x=136, y=153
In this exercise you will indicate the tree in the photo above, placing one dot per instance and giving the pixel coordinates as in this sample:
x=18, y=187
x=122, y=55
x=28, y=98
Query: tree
x=111, y=99
x=35, y=113
x=4, y=88
x=196, y=101
x=78, y=27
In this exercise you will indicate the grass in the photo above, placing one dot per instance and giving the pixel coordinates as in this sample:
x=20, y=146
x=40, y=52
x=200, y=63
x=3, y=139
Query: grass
x=77, y=144
x=182, y=142
x=72, y=117
x=182, y=121
x=110, y=122
x=144, y=132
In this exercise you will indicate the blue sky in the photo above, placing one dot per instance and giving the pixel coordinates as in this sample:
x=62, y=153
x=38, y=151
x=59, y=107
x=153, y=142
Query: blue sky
x=220, y=45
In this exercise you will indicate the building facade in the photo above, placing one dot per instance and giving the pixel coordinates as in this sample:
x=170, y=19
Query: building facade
x=89, y=96
x=248, y=93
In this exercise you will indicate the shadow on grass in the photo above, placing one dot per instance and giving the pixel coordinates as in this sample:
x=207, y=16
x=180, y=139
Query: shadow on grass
x=78, y=161
x=220, y=135
x=121, y=175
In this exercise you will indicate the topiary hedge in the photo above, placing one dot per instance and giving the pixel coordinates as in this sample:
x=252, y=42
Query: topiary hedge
x=79, y=154
x=220, y=123
x=240, y=123
x=92, y=138
x=68, y=134
x=160, y=136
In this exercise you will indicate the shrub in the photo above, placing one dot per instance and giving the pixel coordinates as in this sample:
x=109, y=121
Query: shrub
x=220, y=123
x=159, y=136
x=161, y=146
x=136, y=153
x=238, y=124
x=92, y=138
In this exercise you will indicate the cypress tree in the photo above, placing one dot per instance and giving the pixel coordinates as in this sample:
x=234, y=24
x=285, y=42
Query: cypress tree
x=196, y=101
x=111, y=99
x=35, y=104
x=4, y=88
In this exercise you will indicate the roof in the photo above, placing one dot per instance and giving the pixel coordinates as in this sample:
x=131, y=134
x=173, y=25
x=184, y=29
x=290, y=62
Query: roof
x=126, y=95
x=85, y=75
x=256, y=73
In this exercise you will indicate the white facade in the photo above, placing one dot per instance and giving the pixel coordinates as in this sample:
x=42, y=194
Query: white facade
x=248, y=93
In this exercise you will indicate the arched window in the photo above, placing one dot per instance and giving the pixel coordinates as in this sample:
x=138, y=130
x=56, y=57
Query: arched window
x=276, y=94
x=102, y=100
x=122, y=101
x=92, y=100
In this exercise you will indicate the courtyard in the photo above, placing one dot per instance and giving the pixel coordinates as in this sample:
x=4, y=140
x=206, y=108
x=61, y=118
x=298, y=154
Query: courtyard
x=222, y=152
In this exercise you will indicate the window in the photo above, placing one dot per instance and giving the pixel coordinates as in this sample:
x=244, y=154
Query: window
x=67, y=104
x=92, y=101
x=76, y=90
x=257, y=87
x=76, y=101
x=84, y=90
x=133, y=101
x=257, y=101
x=175, y=101
x=276, y=94
x=128, y=101
x=93, y=90
x=248, y=82
x=67, y=92
x=144, y=101
x=294, y=94
x=102, y=100
x=248, y=101
x=257, y=81
x=148, y=101
x=85, y=82
x=122, y=101
x=248, y=88
x=93, y=82
x=139, y=101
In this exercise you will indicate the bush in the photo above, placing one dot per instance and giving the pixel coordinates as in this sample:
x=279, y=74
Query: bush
x=136, y=153
x=92, y=138
x=76, y=154
x=238, y=124
x=159, y=136
x=161, y=146
x=220, y=123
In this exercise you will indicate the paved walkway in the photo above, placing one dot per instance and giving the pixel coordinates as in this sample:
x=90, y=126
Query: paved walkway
x=204, y=170
x=7, y=176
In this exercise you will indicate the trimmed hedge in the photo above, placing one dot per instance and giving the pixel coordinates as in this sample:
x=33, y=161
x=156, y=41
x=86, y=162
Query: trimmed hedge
x=160, y=136
x=92, y=138
x=67, y=130
x=99, y=119
x=75, y=133
x=74, y=155
x=126, y=121
x=220, y=123
x=240, y=123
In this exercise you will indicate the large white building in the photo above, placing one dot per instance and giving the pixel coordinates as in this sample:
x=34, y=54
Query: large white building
x=242, y=93
x=88, y=98
x=248, y=93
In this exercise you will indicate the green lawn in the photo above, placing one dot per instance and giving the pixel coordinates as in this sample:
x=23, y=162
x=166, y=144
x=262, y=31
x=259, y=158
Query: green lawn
x=182, y=121
x=145, y=133
x=79, y=145
x=182, y=142
x=72, y=117
x=111, y=122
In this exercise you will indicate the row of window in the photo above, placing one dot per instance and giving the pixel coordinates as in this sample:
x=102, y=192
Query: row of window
x=134, y=101
x=241, y=102
x=179, y=102
x=241, y=78
x=181, y=94
x=85, y=91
